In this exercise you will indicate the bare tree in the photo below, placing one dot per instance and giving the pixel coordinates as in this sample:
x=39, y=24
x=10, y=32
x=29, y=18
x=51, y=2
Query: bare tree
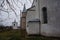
x=11, y=6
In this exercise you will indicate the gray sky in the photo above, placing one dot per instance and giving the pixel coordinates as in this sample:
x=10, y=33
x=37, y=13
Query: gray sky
x=10, y=10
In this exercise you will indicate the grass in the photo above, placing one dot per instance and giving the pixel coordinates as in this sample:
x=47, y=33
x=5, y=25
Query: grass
x=10, y=35
x=20, y=35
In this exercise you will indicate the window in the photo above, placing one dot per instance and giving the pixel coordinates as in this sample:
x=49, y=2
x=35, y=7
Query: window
x=14, y=24
x=44, y=10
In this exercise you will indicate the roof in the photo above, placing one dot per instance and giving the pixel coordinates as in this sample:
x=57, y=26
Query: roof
x=33, y=5
x=14, y=21
x=35, y=20
x=30, y=8
x=24, y=9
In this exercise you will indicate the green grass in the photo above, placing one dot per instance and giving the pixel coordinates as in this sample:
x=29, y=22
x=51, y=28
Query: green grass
x=10, y=35
x=20, y=35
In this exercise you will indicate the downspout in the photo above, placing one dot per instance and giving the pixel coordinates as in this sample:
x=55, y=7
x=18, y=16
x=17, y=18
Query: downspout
x=38, y=12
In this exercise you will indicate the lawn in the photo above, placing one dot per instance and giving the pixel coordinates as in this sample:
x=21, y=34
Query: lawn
x=10, y=35
x=20, y=35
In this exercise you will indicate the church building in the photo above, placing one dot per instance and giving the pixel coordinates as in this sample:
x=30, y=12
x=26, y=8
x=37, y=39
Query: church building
x=32, y=20
x=44, y=18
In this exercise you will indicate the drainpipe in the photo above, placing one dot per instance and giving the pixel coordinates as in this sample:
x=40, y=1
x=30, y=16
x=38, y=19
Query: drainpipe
x=39, y=17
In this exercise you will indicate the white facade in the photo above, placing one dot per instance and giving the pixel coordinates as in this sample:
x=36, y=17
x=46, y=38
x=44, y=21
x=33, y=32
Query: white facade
x=52, y=27
x=33, y=27
x=50, y=22
x=32, y=20
x=15, y=25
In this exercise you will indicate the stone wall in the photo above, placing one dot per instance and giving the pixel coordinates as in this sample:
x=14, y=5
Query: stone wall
x=23, y=21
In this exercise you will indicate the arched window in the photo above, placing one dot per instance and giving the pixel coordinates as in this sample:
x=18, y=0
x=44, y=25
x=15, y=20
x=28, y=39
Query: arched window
x=44, y=10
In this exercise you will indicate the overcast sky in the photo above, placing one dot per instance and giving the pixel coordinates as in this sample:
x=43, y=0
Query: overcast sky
x=10, y=10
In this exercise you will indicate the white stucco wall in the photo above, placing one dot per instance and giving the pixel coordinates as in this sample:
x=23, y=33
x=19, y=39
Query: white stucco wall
x=52, y=28
x=33, y=28
x=53, y=12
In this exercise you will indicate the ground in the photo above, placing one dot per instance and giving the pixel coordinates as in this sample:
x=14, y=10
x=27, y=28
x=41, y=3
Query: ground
x=20, y=35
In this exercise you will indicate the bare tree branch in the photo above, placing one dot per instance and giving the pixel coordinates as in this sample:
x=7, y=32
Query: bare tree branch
x=2, y=3
x=11, y=7
x=17, y=5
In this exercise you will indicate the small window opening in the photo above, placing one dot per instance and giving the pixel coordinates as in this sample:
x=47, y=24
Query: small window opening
x=44, y=10
x=14, y=24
